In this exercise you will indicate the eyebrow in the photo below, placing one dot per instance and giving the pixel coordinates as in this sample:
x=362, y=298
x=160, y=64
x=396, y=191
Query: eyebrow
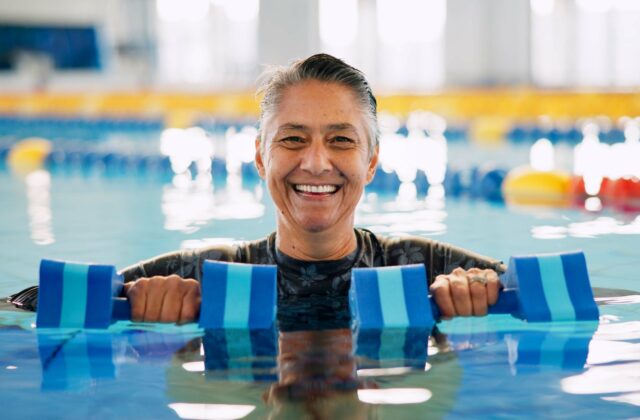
x=330, y=127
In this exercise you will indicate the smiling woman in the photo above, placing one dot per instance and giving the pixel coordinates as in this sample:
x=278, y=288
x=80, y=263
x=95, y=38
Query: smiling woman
x=317, y=149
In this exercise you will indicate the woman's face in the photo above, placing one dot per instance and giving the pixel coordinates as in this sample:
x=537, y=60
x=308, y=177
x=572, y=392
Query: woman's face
x=316, y=156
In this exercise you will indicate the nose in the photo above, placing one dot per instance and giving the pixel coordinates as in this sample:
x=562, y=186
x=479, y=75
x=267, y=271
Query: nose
x=316, y=159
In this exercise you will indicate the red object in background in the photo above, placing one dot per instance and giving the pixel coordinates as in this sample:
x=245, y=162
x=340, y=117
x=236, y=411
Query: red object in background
x=623, y=194
x=579, y=195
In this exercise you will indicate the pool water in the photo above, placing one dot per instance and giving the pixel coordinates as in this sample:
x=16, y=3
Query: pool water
x=495, y=366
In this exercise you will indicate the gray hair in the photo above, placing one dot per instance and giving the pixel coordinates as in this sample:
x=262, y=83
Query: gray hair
x=324, y=68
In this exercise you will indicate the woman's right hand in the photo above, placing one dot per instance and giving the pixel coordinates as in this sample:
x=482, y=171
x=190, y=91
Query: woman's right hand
x=164, y=299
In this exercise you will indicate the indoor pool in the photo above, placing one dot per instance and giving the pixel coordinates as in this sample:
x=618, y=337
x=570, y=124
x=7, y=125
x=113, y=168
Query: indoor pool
x=496, y=366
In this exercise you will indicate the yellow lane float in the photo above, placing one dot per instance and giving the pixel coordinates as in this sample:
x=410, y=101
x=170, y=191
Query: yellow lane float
x=527, y=186
x=28, y=155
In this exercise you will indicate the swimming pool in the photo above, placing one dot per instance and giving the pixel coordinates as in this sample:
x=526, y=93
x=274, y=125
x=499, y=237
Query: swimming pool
x=487, y=367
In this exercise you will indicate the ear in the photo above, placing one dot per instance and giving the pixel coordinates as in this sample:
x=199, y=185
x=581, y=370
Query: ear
x=258, y=160
x=373, y=164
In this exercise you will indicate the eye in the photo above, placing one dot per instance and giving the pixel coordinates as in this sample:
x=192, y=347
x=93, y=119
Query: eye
x=291, y=141
x=343, y=141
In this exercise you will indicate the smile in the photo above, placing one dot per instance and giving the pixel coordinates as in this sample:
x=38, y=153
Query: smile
x=316, y=189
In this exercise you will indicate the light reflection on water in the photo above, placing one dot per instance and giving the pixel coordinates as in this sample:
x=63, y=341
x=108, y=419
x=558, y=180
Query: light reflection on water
x=603, y=225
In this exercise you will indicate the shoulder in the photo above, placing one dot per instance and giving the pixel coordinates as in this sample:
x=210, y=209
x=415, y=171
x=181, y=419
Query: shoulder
x=253, y=252
x=396, y=250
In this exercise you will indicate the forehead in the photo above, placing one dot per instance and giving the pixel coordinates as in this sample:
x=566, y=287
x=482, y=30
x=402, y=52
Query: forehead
x=316, y=103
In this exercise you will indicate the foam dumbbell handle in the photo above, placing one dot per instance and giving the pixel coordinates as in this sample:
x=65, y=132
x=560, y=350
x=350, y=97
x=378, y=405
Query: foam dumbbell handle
x=507, y=303
x=121, y=309
x=235, y=296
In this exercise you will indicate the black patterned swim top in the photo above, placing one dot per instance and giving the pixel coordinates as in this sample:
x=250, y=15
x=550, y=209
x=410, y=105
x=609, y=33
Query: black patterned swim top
x=306, y=278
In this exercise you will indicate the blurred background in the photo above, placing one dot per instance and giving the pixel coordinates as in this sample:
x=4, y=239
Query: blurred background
x=404, y=46
x=528, y=102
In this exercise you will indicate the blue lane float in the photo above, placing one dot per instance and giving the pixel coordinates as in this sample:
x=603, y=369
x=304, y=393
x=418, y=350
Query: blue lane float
x=73, y=295
x=541, y=288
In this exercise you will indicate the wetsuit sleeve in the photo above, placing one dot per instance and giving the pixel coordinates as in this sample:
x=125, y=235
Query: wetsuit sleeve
x=439, y=258
x=184, y=263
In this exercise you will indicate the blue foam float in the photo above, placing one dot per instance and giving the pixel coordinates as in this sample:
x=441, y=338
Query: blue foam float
x=73, y=295
x=541, y=288
x=238, y=295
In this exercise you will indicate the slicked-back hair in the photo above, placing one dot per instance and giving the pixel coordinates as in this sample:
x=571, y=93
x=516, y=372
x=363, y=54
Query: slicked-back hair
x=323, y=68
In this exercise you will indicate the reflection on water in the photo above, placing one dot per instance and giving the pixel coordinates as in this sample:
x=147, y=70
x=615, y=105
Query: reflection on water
x=603, y=225
x=613, y=368
x=38, y=185
x=189, y=204
x=315, y=365
x=211, y=411
x=404, y=214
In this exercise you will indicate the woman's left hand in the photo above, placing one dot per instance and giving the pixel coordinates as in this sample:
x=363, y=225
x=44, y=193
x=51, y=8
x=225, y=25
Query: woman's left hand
x=465, y=292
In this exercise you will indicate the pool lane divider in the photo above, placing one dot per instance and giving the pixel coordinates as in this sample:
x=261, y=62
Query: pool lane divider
x=538, y=288
x=73, y=295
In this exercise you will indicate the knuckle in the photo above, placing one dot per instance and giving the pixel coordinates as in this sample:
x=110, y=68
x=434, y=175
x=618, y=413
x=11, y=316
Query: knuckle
x=459, y=271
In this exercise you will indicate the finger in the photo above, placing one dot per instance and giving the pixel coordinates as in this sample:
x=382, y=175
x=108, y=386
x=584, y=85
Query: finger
x=461, y=295
x=172, y=300
x=493, y=286
x=190, y=303
x=442, y=295
x=478, y=293
x=137, y=294
x=155, y=297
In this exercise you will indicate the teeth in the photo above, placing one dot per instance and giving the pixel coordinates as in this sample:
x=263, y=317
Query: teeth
x=316, y=188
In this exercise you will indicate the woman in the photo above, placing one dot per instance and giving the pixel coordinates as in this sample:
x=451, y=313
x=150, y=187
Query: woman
x=317, y=149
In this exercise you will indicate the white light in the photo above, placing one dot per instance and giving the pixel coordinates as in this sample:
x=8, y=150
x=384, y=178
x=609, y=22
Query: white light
x=593, y=204
x=543, y=7
x=383, y=371
x=39, y=207
x=338, y=22
x=594, y=6
x=184, y=146
x=181, y=11
x=404, y=21
x=394, y=395
x=624, y=377
x=627, y=5
x=241, y=10
x=11, y=367
x=193, y=366
x=542, y=156
x=211, y=411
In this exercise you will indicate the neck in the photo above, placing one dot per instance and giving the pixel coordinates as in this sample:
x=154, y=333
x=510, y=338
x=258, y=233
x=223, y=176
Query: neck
x=332, y=244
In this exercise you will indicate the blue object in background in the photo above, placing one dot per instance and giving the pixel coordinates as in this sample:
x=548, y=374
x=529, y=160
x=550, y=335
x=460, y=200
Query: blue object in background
x=68, y=47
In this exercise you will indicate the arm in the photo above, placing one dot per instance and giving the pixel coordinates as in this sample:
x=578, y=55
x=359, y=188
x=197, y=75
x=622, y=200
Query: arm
x=167, y=288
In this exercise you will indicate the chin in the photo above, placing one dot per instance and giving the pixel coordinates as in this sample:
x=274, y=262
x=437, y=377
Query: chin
x=315, y=226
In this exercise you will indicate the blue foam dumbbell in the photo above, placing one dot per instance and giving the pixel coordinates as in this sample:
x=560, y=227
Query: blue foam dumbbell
x=75, y=295
x=539, y=288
